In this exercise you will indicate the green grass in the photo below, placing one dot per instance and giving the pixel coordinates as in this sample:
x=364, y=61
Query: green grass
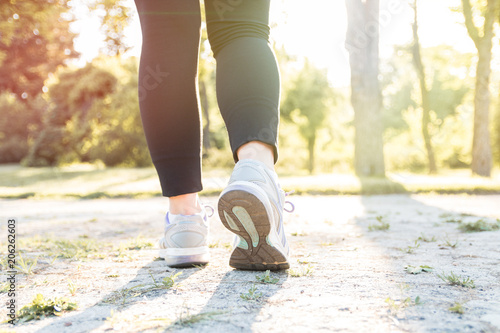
x=92, y=182
x=251, y=295
x=457, y=280
x=41, y=307
x=480, y=225
x=381, y=226
x=457, y=308
x=266, y=278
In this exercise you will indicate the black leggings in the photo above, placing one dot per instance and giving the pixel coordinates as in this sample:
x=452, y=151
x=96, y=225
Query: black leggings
x=248, y=84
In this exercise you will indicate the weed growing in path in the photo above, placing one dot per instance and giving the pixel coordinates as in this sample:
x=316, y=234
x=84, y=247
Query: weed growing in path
x=380, y=226
x=27, y=265
x=266, y=278
x=480, y=225
x=302, y=271
x=457, y=308
x=457, y=280
x=396, y=306
x=426, y=239
x=411, y=248
x=252, y=294
x=42, y=307
x=72, y=288
x=418, y=269
x=127, y=293
x=449, y=243
x=138, y=243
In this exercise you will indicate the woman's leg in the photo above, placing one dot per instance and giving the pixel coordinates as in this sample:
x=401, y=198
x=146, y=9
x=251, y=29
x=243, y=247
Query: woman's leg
x=248, y=82
x=248, y=92
x=168, y=97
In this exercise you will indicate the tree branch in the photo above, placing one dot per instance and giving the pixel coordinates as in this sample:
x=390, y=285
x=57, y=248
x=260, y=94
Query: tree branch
x=469, y=23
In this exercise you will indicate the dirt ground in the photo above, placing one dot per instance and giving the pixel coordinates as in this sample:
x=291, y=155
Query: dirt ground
x=345, y=276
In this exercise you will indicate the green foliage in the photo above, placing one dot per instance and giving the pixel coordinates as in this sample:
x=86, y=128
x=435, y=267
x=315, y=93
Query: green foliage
x=115, y=17
x=457, y=308
x=307, y=103
x=418, y=269
x=27, y=265
x=480, y=225
x=252, y=294
x=449, y=83
x=456, y=280
x=382, y=225
x=18, y=119
x=302, y=271
x=66, y=122
x=266, y=278
x=93, y=117
x=117, y=137
x=411, y=248
x=35, y=40
x=41, y=307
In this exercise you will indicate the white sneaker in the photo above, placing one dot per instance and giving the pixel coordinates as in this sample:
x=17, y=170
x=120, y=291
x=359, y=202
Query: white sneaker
x=251, y=206
x=185, y=242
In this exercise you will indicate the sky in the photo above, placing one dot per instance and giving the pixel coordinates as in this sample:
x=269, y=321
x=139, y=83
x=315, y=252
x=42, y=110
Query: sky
x=315, y=29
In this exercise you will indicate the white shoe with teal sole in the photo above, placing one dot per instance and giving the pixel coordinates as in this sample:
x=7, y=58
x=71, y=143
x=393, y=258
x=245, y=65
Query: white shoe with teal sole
x=251, y=206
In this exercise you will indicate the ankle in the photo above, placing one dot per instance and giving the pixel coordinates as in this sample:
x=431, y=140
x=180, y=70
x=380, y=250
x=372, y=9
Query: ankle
x=186, y=204
x=259, y=151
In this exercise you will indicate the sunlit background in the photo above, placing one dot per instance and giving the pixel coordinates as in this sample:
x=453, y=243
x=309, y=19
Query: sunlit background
x=310, y=40
x=315, y=29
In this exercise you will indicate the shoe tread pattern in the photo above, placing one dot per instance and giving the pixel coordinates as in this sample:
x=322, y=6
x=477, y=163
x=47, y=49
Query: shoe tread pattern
x=262, y=256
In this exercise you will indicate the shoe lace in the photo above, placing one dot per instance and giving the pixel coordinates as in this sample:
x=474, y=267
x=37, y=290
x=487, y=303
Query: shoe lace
x=210, y=211
x=292, y=206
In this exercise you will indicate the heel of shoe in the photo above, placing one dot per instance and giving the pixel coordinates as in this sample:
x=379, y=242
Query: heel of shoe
x=185, y=257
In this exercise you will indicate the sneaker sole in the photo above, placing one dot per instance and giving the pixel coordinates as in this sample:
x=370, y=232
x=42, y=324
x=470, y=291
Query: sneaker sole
x=245, y=215
x=182, y=261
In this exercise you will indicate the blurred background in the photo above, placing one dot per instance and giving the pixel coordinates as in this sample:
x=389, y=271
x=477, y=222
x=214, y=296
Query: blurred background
x=368, y=87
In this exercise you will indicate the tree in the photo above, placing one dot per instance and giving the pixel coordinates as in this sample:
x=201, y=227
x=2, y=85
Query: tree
x=481, y=145
x=115, y=18
x=362, y=44
x=426, y=107
x=66, y=122
x=34, y=40
x=307, y=104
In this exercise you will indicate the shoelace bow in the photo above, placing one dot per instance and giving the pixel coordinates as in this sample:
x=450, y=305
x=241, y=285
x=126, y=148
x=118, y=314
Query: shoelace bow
x=292, y=209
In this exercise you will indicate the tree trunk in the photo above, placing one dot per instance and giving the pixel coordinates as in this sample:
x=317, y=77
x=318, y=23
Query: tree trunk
x=426, y=109
x=311, y=144
x=362, y=44
x=204, y=107
x=481, y=145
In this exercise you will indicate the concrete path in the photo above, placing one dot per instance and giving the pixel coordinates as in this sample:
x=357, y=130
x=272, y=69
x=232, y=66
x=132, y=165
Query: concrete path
x=345, y=276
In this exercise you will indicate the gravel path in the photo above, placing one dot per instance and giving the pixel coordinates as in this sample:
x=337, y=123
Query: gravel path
x=345, y=276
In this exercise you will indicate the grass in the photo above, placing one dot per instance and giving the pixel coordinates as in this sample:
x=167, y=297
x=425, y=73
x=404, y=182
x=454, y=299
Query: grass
x=411, y=248
x=75, y=249
x=266, y=278
x=41, y=307
x=251, y=295
x=418, y=269
x=27, y=265
x=381, y=226
x=93, y=182
x=302, y=271
x=457, y=308
x=426, y=239
x=125, y=294
x=457, y=280
x=480, y=225
x=395, y=306
x=450, y=243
